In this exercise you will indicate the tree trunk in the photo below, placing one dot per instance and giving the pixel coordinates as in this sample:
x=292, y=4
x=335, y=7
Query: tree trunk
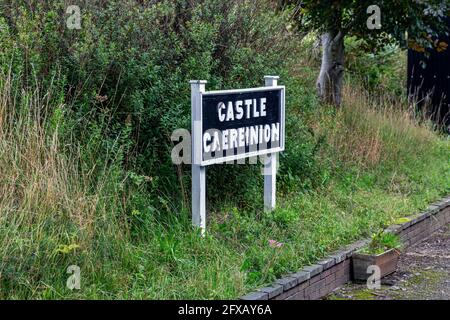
x=329, y=83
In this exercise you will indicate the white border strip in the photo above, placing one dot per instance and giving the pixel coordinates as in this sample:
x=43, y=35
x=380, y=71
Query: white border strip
x=281, y=148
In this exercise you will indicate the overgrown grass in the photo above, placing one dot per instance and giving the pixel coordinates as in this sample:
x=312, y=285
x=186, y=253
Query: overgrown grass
x=346, y=174
x=50, y=211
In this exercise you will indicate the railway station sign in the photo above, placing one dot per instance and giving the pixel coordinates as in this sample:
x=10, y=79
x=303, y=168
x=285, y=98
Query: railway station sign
x=232, y=125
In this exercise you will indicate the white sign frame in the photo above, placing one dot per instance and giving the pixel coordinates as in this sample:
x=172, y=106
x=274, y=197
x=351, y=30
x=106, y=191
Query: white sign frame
x=198, y=91
x=278, y=149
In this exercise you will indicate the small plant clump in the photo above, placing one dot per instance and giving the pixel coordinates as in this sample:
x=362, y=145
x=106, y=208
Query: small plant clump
x=382, y=242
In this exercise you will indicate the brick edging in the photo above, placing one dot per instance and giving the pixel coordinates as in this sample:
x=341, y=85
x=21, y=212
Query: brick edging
x=318, y=280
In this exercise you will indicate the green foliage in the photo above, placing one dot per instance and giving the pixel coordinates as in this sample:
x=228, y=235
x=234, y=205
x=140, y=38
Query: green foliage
x=380, y=69
x=382, y=242
x=126, y=73
x=86, y=117
x=422, y=20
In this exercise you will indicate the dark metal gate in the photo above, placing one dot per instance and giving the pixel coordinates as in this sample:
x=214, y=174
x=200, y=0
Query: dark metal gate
x=429, y=82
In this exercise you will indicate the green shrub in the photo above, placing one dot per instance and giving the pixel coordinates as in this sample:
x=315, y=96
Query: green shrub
x=85, y=123
x=125, y=75
x=380, y=69
x=382, y=242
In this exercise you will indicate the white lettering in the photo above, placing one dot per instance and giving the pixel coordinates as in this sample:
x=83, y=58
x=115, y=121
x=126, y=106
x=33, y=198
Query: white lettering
x=248, y=104
x=275, y=132
x=225, y=140
x=255, y=109
x=239, y=110
x=206, y=140
x=233, y=138
x=220, y=107
x=253, y=136
x=266, y=133
x=241, y=139
x=263, y=107
x=216, y=143
x=230, y=113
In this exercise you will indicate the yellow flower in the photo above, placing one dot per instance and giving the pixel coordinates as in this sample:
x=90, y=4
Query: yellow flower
x=442, y=46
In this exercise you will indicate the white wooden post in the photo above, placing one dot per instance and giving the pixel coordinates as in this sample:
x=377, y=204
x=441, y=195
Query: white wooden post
x=198, y=172
x=270, y=166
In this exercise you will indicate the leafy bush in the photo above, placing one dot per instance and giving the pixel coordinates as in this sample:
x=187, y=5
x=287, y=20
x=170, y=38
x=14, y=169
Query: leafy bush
x=380, y=69
x=124, y=77
x=382, y=242
x=85, y=123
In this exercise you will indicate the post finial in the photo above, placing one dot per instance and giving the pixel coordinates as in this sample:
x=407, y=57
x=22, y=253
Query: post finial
x=272, y=77
x=198, y=82
x=271, y=81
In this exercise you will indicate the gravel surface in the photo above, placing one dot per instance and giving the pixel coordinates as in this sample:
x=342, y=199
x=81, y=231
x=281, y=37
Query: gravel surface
x=423, y=273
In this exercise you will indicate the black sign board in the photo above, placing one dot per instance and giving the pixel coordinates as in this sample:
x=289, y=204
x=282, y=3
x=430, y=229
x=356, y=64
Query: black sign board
x=238, y=124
